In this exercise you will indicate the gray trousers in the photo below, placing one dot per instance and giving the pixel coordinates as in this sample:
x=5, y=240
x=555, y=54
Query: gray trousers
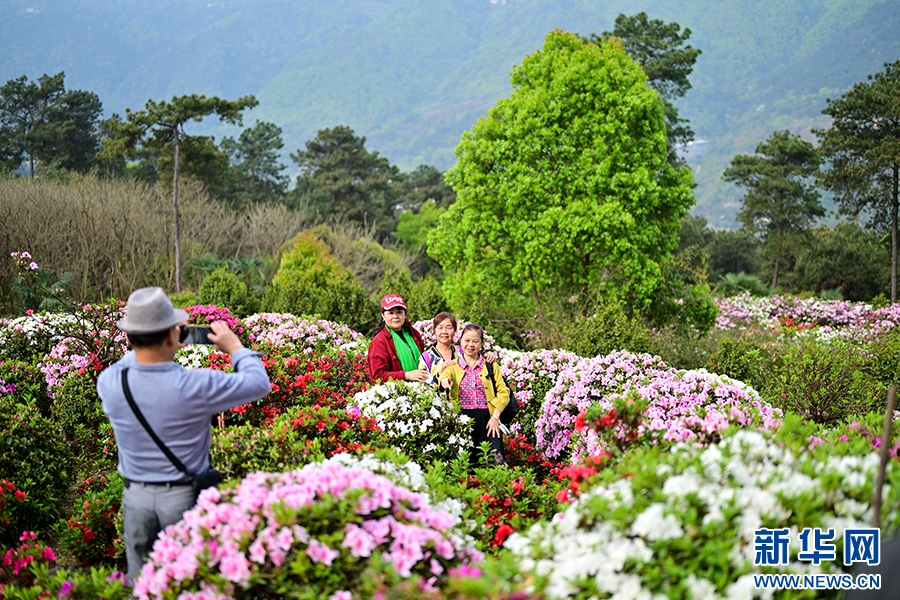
x=147, y=510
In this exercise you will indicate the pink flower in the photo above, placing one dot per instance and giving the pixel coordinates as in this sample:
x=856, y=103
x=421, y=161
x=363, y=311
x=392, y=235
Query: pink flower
x=320, y=553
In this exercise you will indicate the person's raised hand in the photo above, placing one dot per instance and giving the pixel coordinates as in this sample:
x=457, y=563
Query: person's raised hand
x=417, y=375
x=490, y=356
x=446, y=383
x=223, y=338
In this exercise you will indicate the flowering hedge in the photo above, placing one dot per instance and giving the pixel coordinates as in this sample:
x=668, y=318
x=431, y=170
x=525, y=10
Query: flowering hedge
x=693, y=406
x=416, y=420
x=305, y=336
x=681, y=522
x=293, y=439
x=324, y=531
x=809, y=317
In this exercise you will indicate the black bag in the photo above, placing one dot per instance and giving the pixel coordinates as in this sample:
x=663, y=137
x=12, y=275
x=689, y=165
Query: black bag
x=211, y=478
x=512, y=409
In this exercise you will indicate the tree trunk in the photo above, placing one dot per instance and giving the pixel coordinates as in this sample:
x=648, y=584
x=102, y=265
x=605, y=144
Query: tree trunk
x=894, y=207
x=175, y=210
x=775, y=274
x=31, y=163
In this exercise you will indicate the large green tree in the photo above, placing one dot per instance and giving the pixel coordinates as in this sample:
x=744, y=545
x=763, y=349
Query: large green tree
x=161, y=124
x=257, y=174
x=659, y=48
x=863, y=147
x=563, y=189
x=781, y=198
x=42, y=123
x=344, y=180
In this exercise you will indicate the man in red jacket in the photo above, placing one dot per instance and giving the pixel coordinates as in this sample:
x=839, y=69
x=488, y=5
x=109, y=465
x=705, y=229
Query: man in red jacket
x=396, y=347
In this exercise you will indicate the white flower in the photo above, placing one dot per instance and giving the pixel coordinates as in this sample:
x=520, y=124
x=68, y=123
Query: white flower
x=701, y=589
x=654, y=525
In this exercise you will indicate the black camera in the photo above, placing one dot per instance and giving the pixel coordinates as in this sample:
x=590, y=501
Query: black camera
x=195, y=335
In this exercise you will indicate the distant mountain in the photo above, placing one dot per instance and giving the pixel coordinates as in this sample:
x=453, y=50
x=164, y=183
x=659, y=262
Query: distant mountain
x=413, y=75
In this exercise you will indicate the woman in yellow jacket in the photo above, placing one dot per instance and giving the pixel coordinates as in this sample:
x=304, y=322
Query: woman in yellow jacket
x=469, y=384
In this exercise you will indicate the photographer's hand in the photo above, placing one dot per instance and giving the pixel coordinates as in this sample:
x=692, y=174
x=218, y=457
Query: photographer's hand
x=223, y=338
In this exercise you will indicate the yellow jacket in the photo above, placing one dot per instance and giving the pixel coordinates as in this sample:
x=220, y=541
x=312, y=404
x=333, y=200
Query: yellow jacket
x=495, y=402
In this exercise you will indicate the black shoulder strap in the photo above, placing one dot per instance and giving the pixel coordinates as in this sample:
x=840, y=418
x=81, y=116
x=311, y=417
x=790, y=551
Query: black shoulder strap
x=137, y=412
x=490, y=369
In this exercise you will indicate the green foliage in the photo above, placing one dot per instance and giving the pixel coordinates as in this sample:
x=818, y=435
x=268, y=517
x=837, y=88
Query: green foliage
x=299, y=436
x=31, y=385
x=412, y=233
x=311, y=282
x=779, y=201
x=357, y=250
x=53, y=128
x=682, y=349
x=222, y=288
x=825, y=383
x=91, y=535
x=607, y=330
x=744, y=360
x=883, y=358
x=846, y=258
x=564, y=187
x=35, y=456
x=79, y=415
x=732, y=252
x=184, y=299
x=863, y=146
x=733, y=284
x=42, y=581
x=659, y=49
x=497, y=499
x=683, y=299
x=424, y=298
x=255, y=172
x=346, y=180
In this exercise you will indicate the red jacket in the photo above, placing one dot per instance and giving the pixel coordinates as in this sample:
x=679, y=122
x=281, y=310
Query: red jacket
x=383, y=362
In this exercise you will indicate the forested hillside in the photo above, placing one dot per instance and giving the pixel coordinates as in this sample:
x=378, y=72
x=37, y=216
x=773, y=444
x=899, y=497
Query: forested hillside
x=412, y=76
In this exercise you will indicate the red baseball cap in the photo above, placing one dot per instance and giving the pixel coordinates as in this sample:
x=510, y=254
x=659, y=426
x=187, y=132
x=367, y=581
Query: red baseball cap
x=392, y=301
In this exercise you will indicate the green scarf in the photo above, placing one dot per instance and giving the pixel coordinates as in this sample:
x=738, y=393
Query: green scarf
x=406, y=349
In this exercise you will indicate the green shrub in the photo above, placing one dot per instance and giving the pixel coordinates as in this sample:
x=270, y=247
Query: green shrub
x=92, y=535
x=608, y=330
x=880, y=301
x=24, y=345
x=681, y=349
x=424, y=298
x=35, y=456
x=741, y=359
x=297, y=437
x=223, y=288
x=883, y=362
x=184, y=299
x=30, y=384
x=825, y=383
x=78, y=412
x=497, y=500
x=310, y=282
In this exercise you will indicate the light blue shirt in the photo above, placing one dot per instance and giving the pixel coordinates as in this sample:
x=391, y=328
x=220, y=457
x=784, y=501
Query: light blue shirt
x=178, y=404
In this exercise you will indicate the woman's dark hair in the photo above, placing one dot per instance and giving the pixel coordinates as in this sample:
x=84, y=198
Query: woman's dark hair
x=146, y=340
x=381, y=325
x=443, y=316
x=473, y=327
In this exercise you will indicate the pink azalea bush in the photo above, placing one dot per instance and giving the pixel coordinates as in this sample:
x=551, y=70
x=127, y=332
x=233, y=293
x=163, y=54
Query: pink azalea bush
x=683, y=406
x=325, y=531
x=204, y=314
x=825, y=318
x=307, y=336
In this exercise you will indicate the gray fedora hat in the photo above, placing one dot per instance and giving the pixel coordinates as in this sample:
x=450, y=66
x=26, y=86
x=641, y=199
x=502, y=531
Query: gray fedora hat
x=149, y=310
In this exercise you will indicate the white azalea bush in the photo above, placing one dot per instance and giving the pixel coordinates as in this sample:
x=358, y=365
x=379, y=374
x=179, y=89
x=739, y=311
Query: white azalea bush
x=681, y=523
x=194, y=356
x=417, y=420
x=324, y=531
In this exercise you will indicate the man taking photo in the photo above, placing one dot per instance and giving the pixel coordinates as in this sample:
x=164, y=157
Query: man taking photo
x=177, y=405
